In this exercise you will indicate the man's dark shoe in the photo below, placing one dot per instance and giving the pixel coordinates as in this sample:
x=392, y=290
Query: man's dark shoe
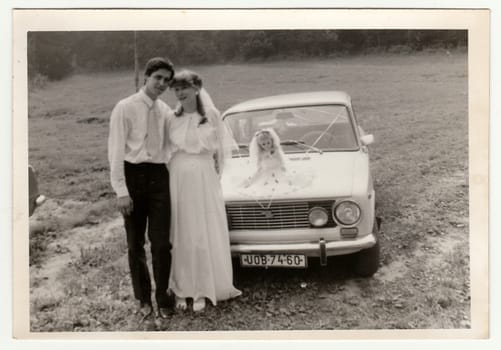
x=164, y=312
x=145, y=309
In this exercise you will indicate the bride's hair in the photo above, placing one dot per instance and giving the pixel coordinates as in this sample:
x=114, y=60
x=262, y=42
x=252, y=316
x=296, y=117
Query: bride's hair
x=187, y=77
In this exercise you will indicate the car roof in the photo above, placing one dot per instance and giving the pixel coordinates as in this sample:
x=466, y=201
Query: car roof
x=292, y=100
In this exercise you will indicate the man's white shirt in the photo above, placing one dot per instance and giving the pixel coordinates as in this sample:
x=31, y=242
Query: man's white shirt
x=128, y=132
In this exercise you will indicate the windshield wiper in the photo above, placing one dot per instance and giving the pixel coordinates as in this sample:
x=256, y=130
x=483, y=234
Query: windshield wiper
x=300, y=143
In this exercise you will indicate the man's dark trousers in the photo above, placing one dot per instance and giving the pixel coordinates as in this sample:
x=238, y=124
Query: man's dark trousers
x=148, y=186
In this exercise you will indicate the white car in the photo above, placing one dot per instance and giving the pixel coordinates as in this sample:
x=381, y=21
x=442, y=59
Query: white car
x=324, y=203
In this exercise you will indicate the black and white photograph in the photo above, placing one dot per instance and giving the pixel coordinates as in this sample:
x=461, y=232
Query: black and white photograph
x=196, y=179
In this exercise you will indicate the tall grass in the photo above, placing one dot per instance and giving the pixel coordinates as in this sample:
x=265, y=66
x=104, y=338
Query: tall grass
x=388, y=91
x=416, y=107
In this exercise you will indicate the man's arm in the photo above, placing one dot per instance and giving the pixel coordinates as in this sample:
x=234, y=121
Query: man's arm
x=116, y=157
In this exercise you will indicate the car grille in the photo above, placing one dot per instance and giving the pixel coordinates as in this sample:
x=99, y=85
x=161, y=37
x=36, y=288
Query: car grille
x=280, y=215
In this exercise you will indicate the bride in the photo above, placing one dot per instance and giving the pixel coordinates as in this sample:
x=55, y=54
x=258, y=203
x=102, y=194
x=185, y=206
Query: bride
x=201, y=259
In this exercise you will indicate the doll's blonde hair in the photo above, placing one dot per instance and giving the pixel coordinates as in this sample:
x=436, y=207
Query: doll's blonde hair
x=256, y=152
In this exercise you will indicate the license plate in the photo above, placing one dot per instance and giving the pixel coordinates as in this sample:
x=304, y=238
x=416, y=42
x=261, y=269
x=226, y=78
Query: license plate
x=274, y=260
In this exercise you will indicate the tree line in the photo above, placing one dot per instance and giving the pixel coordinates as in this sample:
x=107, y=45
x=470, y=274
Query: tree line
x=55, y=55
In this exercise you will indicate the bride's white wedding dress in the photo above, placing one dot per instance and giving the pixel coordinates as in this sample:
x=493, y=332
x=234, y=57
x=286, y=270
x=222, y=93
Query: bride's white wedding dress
x=201, y=259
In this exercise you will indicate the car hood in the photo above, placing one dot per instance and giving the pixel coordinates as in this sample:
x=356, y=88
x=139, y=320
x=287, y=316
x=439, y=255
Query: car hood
x=326, y=175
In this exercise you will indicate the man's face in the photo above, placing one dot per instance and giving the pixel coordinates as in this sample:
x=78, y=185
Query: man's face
x=157, y=82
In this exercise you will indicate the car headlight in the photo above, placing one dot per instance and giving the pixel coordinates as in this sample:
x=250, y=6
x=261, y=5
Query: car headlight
x=318, y=217
x=347, y=213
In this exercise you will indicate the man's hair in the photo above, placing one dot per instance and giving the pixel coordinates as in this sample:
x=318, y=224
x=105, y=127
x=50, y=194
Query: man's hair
x=157, y=63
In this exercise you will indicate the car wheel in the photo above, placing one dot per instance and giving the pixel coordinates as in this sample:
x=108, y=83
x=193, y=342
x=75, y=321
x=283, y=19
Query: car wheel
x=366, y=262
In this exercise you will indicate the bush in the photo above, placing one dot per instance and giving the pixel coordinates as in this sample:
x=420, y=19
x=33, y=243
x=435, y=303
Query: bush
x=257, y=45
x=39, y=81
x=401, y=49
x=49, y=54
x=198, y=54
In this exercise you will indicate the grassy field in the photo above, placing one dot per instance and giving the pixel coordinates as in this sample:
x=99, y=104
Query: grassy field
x=416, y=107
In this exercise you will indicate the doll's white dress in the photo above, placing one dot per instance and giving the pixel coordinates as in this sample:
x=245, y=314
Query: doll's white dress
x=273, y=177
x=201, y=258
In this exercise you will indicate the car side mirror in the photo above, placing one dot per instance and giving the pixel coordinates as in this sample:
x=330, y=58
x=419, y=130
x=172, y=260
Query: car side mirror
x=367, y=139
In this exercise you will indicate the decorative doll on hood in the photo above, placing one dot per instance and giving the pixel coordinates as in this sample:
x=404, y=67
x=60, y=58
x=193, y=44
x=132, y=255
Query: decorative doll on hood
x=266, y=152
x=267, y=157
x=272, y=174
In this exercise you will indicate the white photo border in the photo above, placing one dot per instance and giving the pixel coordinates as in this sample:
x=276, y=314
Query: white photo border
x=476, y=21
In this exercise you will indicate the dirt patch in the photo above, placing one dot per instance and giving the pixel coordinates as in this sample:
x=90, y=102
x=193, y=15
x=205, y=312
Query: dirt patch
x=67, y=247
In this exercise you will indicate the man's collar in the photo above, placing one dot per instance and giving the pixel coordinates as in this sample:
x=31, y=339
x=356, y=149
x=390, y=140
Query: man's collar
x=145, y=98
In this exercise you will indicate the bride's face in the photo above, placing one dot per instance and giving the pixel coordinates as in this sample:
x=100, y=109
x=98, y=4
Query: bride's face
x=186, y=94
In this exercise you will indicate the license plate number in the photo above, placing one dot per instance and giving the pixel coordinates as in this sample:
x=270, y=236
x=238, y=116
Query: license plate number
x=274, y=260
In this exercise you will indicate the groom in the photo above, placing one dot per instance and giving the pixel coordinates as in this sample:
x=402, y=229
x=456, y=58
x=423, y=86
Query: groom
x=138, y=151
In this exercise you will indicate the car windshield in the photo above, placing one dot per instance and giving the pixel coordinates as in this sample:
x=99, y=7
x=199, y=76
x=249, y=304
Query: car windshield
x=301, y=129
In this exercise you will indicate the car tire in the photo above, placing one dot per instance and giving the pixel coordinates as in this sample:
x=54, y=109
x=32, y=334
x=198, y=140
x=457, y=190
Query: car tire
x=366, y=262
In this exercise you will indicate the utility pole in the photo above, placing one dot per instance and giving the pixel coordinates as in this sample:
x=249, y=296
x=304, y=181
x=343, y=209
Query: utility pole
x=136, y=63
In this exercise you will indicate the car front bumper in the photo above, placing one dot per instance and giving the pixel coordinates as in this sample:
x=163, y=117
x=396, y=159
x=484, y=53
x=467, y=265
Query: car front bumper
x=320, y=249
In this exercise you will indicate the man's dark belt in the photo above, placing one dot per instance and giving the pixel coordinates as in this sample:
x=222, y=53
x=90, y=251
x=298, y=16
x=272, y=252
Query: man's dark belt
x=144, y=165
